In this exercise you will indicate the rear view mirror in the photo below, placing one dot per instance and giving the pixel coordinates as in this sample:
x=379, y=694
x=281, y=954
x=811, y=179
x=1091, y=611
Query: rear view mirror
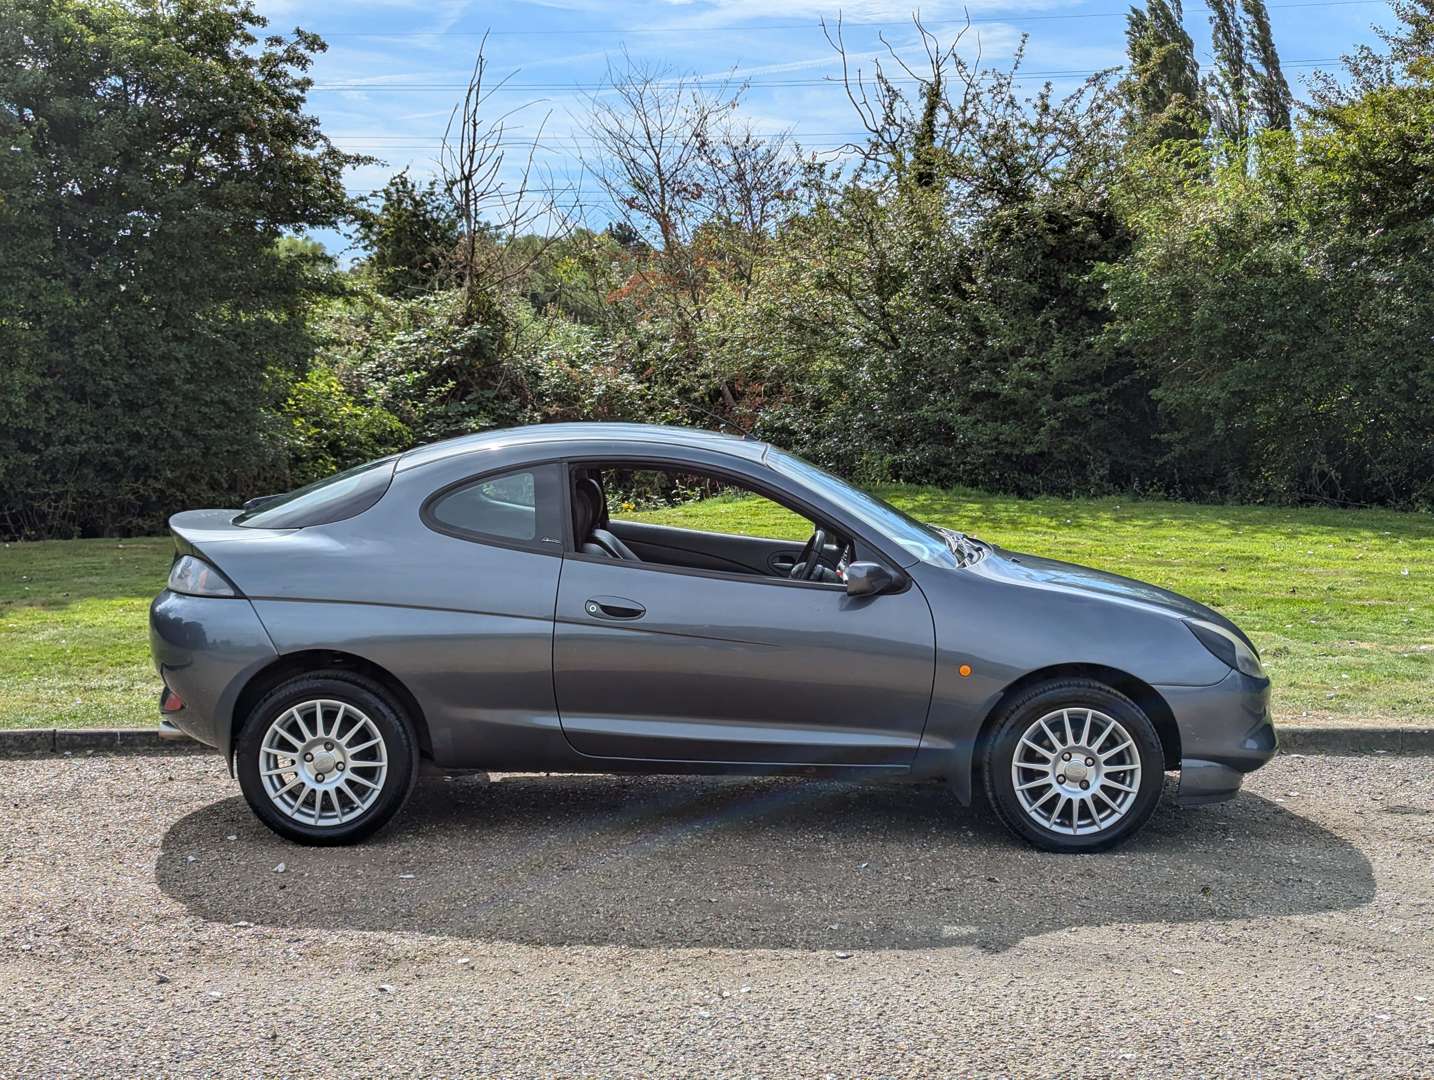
x=868, y=579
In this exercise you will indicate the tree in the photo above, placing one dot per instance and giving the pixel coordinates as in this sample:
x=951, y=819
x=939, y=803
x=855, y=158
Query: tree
x=488, y=228
x=1284, y=310
x=410, y=233
x=1269, y=92
x=1227, y=86
x=651, y=129
x=156, y=153
x=492, y=205
x=1163, y=85
x=940, y=301
x=701, y=192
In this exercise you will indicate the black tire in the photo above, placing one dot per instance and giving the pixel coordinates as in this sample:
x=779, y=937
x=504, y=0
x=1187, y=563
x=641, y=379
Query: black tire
x=1077, y=695
x=360, y=693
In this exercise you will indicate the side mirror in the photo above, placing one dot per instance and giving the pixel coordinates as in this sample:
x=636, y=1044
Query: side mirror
x=868, y=579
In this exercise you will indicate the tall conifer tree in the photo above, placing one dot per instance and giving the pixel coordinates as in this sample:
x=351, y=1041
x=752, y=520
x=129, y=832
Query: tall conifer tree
x=1163, y=84
x=1227, y=85
x=1269, y=92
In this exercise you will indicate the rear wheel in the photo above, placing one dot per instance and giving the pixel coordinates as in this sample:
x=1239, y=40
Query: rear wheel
x=327, y=758
x=1074, y=765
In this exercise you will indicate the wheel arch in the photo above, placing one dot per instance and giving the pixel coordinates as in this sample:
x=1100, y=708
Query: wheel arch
x=1142, y=693
x=290, y=665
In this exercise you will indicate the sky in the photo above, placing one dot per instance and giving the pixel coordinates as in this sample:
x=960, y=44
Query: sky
x=395, y=68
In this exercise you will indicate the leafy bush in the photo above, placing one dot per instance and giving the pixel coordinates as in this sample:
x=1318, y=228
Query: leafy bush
x=414, y=370
x=330, y=430
x=577, y=372
x=1288, y=342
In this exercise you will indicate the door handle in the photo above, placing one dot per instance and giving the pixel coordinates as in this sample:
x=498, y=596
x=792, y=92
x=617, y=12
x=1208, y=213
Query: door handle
x=614, y=607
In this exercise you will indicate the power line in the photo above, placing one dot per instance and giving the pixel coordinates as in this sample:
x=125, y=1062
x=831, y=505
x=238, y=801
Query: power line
x=1026, y=76
x=497, y=199
x=432, y=143
x=1014, y=19
x=398, y=139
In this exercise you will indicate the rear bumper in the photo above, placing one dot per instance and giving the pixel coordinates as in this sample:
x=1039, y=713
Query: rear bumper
x=169, y=731
x=1225, y=733
x=206, y=649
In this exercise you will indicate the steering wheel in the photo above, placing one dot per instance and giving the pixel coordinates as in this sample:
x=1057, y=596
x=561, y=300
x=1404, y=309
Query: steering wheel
x=809, y=562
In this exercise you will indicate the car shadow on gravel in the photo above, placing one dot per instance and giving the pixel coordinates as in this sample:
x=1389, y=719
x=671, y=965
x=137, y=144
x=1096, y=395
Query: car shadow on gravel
x=747, y=863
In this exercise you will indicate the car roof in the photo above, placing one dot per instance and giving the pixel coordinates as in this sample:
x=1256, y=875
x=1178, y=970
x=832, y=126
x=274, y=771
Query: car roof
x=622, y=436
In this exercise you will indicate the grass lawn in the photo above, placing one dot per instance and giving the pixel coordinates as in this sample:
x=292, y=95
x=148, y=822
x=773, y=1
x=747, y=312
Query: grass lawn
x=1340, y=602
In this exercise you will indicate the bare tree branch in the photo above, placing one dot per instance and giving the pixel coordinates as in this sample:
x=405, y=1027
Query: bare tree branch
x=695, y=182
x=494, y=208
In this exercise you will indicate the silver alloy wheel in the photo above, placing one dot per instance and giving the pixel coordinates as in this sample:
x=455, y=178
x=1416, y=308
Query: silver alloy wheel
x=1076, y=771
x=323, y=762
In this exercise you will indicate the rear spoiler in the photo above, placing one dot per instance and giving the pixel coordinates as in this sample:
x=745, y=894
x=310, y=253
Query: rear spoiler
x=197, y=531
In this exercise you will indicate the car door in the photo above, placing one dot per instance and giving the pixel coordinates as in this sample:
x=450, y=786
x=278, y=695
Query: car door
x=661, y=663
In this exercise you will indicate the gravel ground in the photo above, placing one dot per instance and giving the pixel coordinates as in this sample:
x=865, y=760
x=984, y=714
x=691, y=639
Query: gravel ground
x=612, y=926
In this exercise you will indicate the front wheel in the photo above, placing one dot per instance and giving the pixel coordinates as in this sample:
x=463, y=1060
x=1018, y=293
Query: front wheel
x=327, y=758
x=1074, y=765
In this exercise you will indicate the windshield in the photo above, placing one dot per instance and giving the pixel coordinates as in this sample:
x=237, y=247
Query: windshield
x=334, y=498
x=922, y=541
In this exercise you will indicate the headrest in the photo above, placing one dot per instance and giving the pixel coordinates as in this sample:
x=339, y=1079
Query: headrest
x=586, y=500
x=590, y=490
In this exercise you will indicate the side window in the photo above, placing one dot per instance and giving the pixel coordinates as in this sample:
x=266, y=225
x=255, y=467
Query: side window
x=523, y=506
x=705, y=503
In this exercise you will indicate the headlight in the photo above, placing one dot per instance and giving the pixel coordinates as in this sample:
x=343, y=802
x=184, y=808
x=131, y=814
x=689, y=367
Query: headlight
x=195, y=577
x=1227, y=647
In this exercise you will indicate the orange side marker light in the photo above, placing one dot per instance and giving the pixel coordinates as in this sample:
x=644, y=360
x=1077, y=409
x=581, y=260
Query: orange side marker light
x=965, y=670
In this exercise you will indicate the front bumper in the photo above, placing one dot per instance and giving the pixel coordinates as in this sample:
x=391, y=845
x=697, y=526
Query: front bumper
x=1225, y=733
x=206, y=649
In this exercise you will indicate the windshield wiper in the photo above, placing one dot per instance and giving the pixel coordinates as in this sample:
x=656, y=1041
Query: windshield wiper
x=965, y=548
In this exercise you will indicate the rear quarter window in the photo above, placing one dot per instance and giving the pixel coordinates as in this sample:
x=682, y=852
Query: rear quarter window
x=343, y=495
x=522, y=507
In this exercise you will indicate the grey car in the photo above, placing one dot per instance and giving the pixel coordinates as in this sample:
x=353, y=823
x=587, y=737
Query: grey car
x=534, y=599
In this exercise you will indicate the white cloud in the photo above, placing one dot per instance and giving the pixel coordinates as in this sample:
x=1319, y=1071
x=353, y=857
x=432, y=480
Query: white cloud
x=720, y=13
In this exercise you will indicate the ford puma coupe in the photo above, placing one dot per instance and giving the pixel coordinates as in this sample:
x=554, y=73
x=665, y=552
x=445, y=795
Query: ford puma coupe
x=537, y=599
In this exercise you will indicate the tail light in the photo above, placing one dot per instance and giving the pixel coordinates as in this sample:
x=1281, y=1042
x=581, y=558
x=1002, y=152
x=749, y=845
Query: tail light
x=193, y=576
